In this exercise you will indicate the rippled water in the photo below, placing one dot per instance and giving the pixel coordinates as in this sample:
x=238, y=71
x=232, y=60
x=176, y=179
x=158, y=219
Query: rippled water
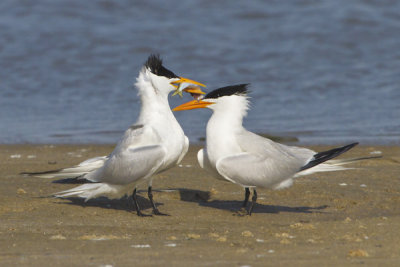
x=324, y=71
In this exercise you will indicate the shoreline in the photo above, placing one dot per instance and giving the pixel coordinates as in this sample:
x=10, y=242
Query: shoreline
x=284, y=139
x=348, y=217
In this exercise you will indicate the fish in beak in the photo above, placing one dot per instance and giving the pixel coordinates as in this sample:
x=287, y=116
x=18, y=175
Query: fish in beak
x=187, y=85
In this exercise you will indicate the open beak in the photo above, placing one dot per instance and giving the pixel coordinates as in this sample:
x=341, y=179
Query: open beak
x=192, y=105
x=187, y=85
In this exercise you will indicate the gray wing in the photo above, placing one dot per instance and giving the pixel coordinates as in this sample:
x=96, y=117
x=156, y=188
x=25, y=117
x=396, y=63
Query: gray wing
x=249, y=170
x=253, y=143
x=137, y=135
x=262, y=162
x=130, y=165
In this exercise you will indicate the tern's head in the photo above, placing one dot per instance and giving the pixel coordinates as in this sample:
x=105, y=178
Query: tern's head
x=166, y=81
x=225, y=98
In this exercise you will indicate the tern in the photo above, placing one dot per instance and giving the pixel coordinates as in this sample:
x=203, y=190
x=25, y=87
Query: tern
x=155, y=143
x=239, y=156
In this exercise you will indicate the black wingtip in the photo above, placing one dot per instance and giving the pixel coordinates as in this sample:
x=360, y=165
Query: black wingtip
x=327, y=155
x=39, y=173
x=76, y=180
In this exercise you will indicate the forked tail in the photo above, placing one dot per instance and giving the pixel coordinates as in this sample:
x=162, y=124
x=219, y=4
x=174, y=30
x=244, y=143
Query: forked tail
x=72, y=172
x=324, y=162
x=327, y=155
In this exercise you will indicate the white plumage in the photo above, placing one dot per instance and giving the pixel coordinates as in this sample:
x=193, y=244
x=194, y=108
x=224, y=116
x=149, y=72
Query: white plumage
x=156, y=142
x=234, y=154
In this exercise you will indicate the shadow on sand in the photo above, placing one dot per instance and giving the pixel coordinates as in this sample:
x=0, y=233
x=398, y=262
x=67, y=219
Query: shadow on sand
x=203, y=197
x=200, y=197
x=234, y=206
x=124, y=203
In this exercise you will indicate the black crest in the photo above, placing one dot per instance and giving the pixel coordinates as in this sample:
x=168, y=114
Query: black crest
x=239, y=89
x=154, y=63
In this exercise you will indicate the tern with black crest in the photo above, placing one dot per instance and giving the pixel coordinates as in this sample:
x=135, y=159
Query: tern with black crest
x=237, y=155
x=155, y=143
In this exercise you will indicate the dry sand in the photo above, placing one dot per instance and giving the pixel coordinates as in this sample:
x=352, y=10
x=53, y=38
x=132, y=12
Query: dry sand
x=328, y=219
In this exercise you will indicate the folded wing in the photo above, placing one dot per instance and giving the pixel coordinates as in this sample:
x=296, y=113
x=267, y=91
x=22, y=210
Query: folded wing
x=249, y=170
x=130, y=165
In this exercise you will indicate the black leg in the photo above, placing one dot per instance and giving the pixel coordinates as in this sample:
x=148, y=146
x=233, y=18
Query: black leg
x=243, y=211
x=254, y=199
x=135, y=202
x=155, y=210
x=246, y=197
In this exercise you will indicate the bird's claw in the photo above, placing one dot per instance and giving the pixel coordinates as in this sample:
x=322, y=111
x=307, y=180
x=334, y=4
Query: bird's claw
x=157, y=212
x=241, y=213
x=141, y=214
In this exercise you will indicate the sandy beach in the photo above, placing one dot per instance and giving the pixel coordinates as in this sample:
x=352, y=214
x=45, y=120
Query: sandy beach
x=329, y=219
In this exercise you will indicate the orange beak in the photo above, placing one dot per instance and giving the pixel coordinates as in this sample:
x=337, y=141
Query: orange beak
x=186, y=80
x=193, y=105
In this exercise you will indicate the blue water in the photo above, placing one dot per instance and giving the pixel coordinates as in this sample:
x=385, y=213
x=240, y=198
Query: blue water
x=323, y=71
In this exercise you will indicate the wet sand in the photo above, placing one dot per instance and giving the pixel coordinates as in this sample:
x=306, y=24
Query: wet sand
x=330, y=219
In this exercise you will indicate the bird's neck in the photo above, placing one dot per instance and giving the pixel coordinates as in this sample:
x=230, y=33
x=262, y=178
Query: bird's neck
x=223, y=126
x=229, y=113
x=154, y=102
x=225, y=122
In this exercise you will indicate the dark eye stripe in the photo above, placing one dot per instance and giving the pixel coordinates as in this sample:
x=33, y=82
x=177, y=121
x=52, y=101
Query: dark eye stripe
x=154, y=63
x=239, y=89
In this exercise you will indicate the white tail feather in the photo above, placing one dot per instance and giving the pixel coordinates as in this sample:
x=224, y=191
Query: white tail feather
x=76, y=171
x=324, y=167
x=89, y=191
x=332, y=165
